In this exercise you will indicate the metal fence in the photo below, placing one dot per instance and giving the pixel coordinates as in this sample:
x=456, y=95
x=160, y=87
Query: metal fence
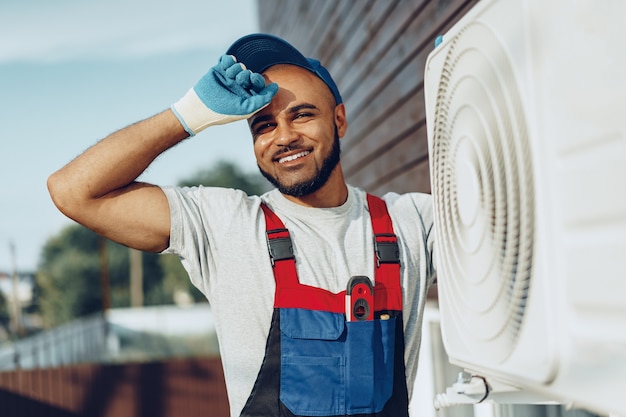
x=80, y=341
x=117, y=336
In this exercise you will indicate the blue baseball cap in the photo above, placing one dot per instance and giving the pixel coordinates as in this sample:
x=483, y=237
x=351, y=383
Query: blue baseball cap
x=260, y=51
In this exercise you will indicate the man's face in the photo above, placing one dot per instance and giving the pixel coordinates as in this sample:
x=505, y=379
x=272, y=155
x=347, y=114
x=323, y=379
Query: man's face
x=296, y=137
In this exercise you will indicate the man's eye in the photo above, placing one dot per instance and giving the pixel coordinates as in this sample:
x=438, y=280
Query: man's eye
x=303, y=115
x=263, y=128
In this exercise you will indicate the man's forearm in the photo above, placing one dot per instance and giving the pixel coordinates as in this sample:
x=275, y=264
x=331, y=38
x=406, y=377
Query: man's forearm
x=109, y=168
x=117, y=160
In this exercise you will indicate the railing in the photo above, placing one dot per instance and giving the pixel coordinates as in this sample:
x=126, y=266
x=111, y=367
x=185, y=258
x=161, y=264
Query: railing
x=80, y=341
x=119, y=335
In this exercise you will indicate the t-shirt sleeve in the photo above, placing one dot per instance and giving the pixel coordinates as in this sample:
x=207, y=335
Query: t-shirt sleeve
x=414, y=214
x=424, y=205
x=199, y=215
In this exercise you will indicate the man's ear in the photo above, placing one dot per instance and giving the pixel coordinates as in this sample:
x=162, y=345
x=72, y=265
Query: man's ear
x=340, y=119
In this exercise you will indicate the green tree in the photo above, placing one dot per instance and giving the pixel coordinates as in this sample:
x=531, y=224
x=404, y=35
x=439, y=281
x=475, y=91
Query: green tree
x=68, y=278
x=4, y=312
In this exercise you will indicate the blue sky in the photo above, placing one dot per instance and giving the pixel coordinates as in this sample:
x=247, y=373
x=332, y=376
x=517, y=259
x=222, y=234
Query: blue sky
x=73, y=71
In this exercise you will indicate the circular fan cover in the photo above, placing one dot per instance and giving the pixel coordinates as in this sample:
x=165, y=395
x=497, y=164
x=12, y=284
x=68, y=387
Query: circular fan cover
x=483, y=194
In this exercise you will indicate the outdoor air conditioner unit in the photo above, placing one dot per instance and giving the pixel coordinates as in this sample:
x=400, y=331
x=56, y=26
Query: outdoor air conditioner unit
x=526, y=115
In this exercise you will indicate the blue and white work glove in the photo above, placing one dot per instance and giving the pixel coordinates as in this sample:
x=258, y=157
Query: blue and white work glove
x=228, y=92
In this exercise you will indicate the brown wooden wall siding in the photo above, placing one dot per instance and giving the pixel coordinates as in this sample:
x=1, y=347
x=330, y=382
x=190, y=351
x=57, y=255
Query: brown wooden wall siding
x=376, y=51
x=175, y=388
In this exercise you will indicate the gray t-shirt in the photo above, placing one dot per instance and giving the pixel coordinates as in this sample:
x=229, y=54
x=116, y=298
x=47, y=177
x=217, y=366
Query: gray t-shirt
x=219, y=234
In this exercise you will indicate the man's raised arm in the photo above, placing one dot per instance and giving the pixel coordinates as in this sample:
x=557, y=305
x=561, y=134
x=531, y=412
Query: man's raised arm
x=99, y=190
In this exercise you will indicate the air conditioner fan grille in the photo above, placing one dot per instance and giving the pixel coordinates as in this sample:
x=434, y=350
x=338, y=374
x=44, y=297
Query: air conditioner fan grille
x=483, y=193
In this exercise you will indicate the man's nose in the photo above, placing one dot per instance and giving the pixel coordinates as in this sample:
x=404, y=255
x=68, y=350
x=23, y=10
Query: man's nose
x=285, y=134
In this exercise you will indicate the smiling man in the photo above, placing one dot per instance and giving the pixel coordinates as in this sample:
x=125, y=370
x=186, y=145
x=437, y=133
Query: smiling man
x=296, y=138
x=317, y=287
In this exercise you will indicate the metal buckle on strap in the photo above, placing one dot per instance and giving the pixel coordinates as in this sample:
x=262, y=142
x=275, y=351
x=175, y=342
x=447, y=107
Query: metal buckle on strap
x=280, y=248
x=387, y=251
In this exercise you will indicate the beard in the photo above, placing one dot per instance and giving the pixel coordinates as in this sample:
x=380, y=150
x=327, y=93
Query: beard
x=311, y=185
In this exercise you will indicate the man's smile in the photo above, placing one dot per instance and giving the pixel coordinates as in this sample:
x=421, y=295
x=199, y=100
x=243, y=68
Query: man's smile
x=293, y=157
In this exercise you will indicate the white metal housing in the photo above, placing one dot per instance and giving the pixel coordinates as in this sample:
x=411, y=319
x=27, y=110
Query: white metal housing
x=526, y=115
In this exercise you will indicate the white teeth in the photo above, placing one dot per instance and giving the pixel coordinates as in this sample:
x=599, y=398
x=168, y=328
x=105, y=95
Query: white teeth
x=293, y=157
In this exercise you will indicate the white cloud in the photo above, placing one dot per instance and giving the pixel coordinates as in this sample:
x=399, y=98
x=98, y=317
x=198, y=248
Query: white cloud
x=40, y=30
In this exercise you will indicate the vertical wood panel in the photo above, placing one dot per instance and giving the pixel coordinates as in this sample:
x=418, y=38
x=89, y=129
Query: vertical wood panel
x=376, y=51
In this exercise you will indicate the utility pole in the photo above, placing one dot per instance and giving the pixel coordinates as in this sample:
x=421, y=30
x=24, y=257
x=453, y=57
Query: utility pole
x=104, y=274
x=136, y=277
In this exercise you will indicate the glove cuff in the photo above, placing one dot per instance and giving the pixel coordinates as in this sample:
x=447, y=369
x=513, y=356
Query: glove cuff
x=195, y=116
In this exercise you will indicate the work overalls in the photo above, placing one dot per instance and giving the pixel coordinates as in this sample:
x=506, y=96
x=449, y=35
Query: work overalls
x=317, y=363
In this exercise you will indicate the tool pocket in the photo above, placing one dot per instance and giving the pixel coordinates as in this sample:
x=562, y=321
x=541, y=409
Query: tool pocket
x=330, y=367
x=369, y=364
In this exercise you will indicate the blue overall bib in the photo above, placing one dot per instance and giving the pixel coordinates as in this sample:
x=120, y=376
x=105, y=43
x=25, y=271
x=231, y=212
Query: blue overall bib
x=318, y=364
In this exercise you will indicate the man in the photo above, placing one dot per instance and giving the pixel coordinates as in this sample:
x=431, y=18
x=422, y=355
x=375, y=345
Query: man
x=294, y=338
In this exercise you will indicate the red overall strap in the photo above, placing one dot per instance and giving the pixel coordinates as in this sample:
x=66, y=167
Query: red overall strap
x=281, y=249
x=291, y=294
x=387, y=288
